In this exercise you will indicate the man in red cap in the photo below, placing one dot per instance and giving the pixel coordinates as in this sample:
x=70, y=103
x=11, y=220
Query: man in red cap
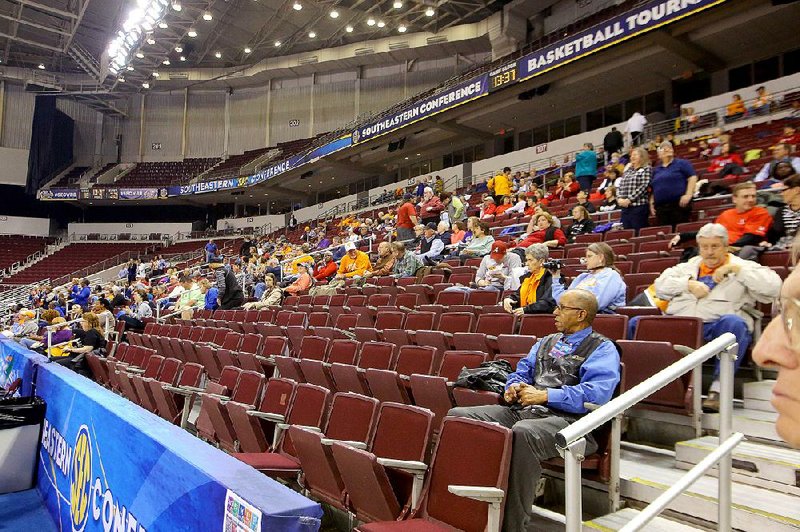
x=496, y=271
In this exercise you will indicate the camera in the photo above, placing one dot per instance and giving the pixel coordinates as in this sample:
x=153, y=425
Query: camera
x=552, y=265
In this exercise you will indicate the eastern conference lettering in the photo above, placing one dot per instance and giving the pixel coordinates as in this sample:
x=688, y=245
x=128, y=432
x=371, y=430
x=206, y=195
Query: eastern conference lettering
x=632, y=22
x=423, y=108
x=113, y=515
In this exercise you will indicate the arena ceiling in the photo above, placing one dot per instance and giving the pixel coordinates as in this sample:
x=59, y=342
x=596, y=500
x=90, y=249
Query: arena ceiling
x=60, y=44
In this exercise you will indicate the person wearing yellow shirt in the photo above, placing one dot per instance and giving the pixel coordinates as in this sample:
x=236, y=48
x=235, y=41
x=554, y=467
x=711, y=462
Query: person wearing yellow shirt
x=300, y=259
x=500, y=185
x=354, y=264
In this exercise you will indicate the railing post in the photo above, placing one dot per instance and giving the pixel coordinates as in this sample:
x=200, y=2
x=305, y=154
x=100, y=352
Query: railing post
x=573, y=456
x=614, y=482
x=697, y=406
x=726, y=369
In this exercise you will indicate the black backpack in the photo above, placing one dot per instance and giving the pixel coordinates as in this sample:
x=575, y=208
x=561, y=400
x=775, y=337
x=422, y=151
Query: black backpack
x=489, y=376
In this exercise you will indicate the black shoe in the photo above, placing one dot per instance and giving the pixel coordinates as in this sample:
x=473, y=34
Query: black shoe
x=711, y=403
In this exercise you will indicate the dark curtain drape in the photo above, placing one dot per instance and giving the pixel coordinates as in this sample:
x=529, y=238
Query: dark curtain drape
x=51, y=143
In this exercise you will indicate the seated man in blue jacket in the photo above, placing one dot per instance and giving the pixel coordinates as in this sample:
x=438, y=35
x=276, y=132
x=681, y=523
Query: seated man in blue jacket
x=562, y=372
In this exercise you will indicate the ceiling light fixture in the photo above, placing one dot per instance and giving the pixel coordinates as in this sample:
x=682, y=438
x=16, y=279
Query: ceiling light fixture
x=218, y=55
x=349, y=29
x=179, y=48
x=41, y=66
x=130, y=68
x=207, y=15
x=156, y=74
x=183, y=58
x=311, y=34
x=247, y=49
x=163, y=25
x=334, y=13
x=370, y=22
x=429, y=12
x=402, y=28
x=165, y=62
x=137, y=26
x=398, y=5
x=192, y=32
x=277, y=43
x=297, y=6
x=146, y=85
x=121, y=79
x=381, y=24
x=140, y=55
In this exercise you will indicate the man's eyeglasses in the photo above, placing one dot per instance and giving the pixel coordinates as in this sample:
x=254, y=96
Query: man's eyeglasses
x=562, y=308
x=790, y=314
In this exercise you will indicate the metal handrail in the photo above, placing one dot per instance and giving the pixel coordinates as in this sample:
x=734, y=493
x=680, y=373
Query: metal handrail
x=571, y=441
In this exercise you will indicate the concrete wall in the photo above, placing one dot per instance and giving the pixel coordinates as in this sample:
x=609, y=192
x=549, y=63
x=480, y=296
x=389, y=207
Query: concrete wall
x=23, y=225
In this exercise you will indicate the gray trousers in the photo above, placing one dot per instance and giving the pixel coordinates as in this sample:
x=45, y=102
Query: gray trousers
x=534, y=441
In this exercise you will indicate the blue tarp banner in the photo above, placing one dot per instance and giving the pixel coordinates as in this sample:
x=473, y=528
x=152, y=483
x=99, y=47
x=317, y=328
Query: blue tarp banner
x=613, y=31
x=109, y=465
x=17, y=362
x=443, y=101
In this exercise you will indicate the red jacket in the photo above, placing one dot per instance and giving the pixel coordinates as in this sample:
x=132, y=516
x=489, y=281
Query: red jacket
x=325, y=272
x=538, y=237
x=435, y=205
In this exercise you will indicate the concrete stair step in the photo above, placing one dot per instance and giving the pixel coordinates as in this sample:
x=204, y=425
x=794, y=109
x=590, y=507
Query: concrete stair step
x=757, y=464
x=617, y=520
x=646, y=475
x=756, y=424
x=757, y=395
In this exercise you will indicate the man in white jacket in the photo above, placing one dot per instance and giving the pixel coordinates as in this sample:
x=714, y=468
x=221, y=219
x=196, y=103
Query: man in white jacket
x=721, y=289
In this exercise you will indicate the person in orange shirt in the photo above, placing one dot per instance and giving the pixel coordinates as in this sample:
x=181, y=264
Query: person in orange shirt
x=735, y=110
x=746, y=223
x=303, y=281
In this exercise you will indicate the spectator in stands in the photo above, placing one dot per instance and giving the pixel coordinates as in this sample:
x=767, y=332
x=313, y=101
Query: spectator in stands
x=292, y=222
x=454, y=208
x=431, y=246
x=721, y=289
x=545, y=233
x=633, y=192
x=406, y=219
x=211, y=294
x=118, y=299
x=611, y=177
x=500, y=185
x=488, y=209
x=546, y=393
x=134, y=315
x=779, y=348
x=384, y=265
x=780, y=153
x=735, y=110
x=303, y=281
x=506, y=204
x=762, y=102
x=81, y=296
x=581, y=225
x=39, y=333
x=586, y=166
x=271, y=296
x=746, y=223
x=583, y=201
x=338, y=248
x=324, y=242
x=406, y=263
x=567, y=187
x=131, y=271
x=728, y=162
x=610, y=200
x=230, y=291
x=354, y=264
x=326, y=268
x=431, y=207
x=612, y=142
x=673, y=185
x=189, y=297
x=438, y=185
x=211, y=250
x=496, y=271
x=90, y=338
x=534, y=295
x=602, y=279
x=419, y=233
x=61, y=335
x=481, y=242
x=635, y=128
x=790, y=136
x=458, y=233
x=25, y=326
x=784, y=227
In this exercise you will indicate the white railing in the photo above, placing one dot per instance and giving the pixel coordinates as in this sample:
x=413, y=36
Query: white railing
x=571, y=441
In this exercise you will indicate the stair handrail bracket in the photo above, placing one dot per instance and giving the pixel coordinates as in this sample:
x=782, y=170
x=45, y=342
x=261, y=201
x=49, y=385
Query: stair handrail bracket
x=571, y=441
